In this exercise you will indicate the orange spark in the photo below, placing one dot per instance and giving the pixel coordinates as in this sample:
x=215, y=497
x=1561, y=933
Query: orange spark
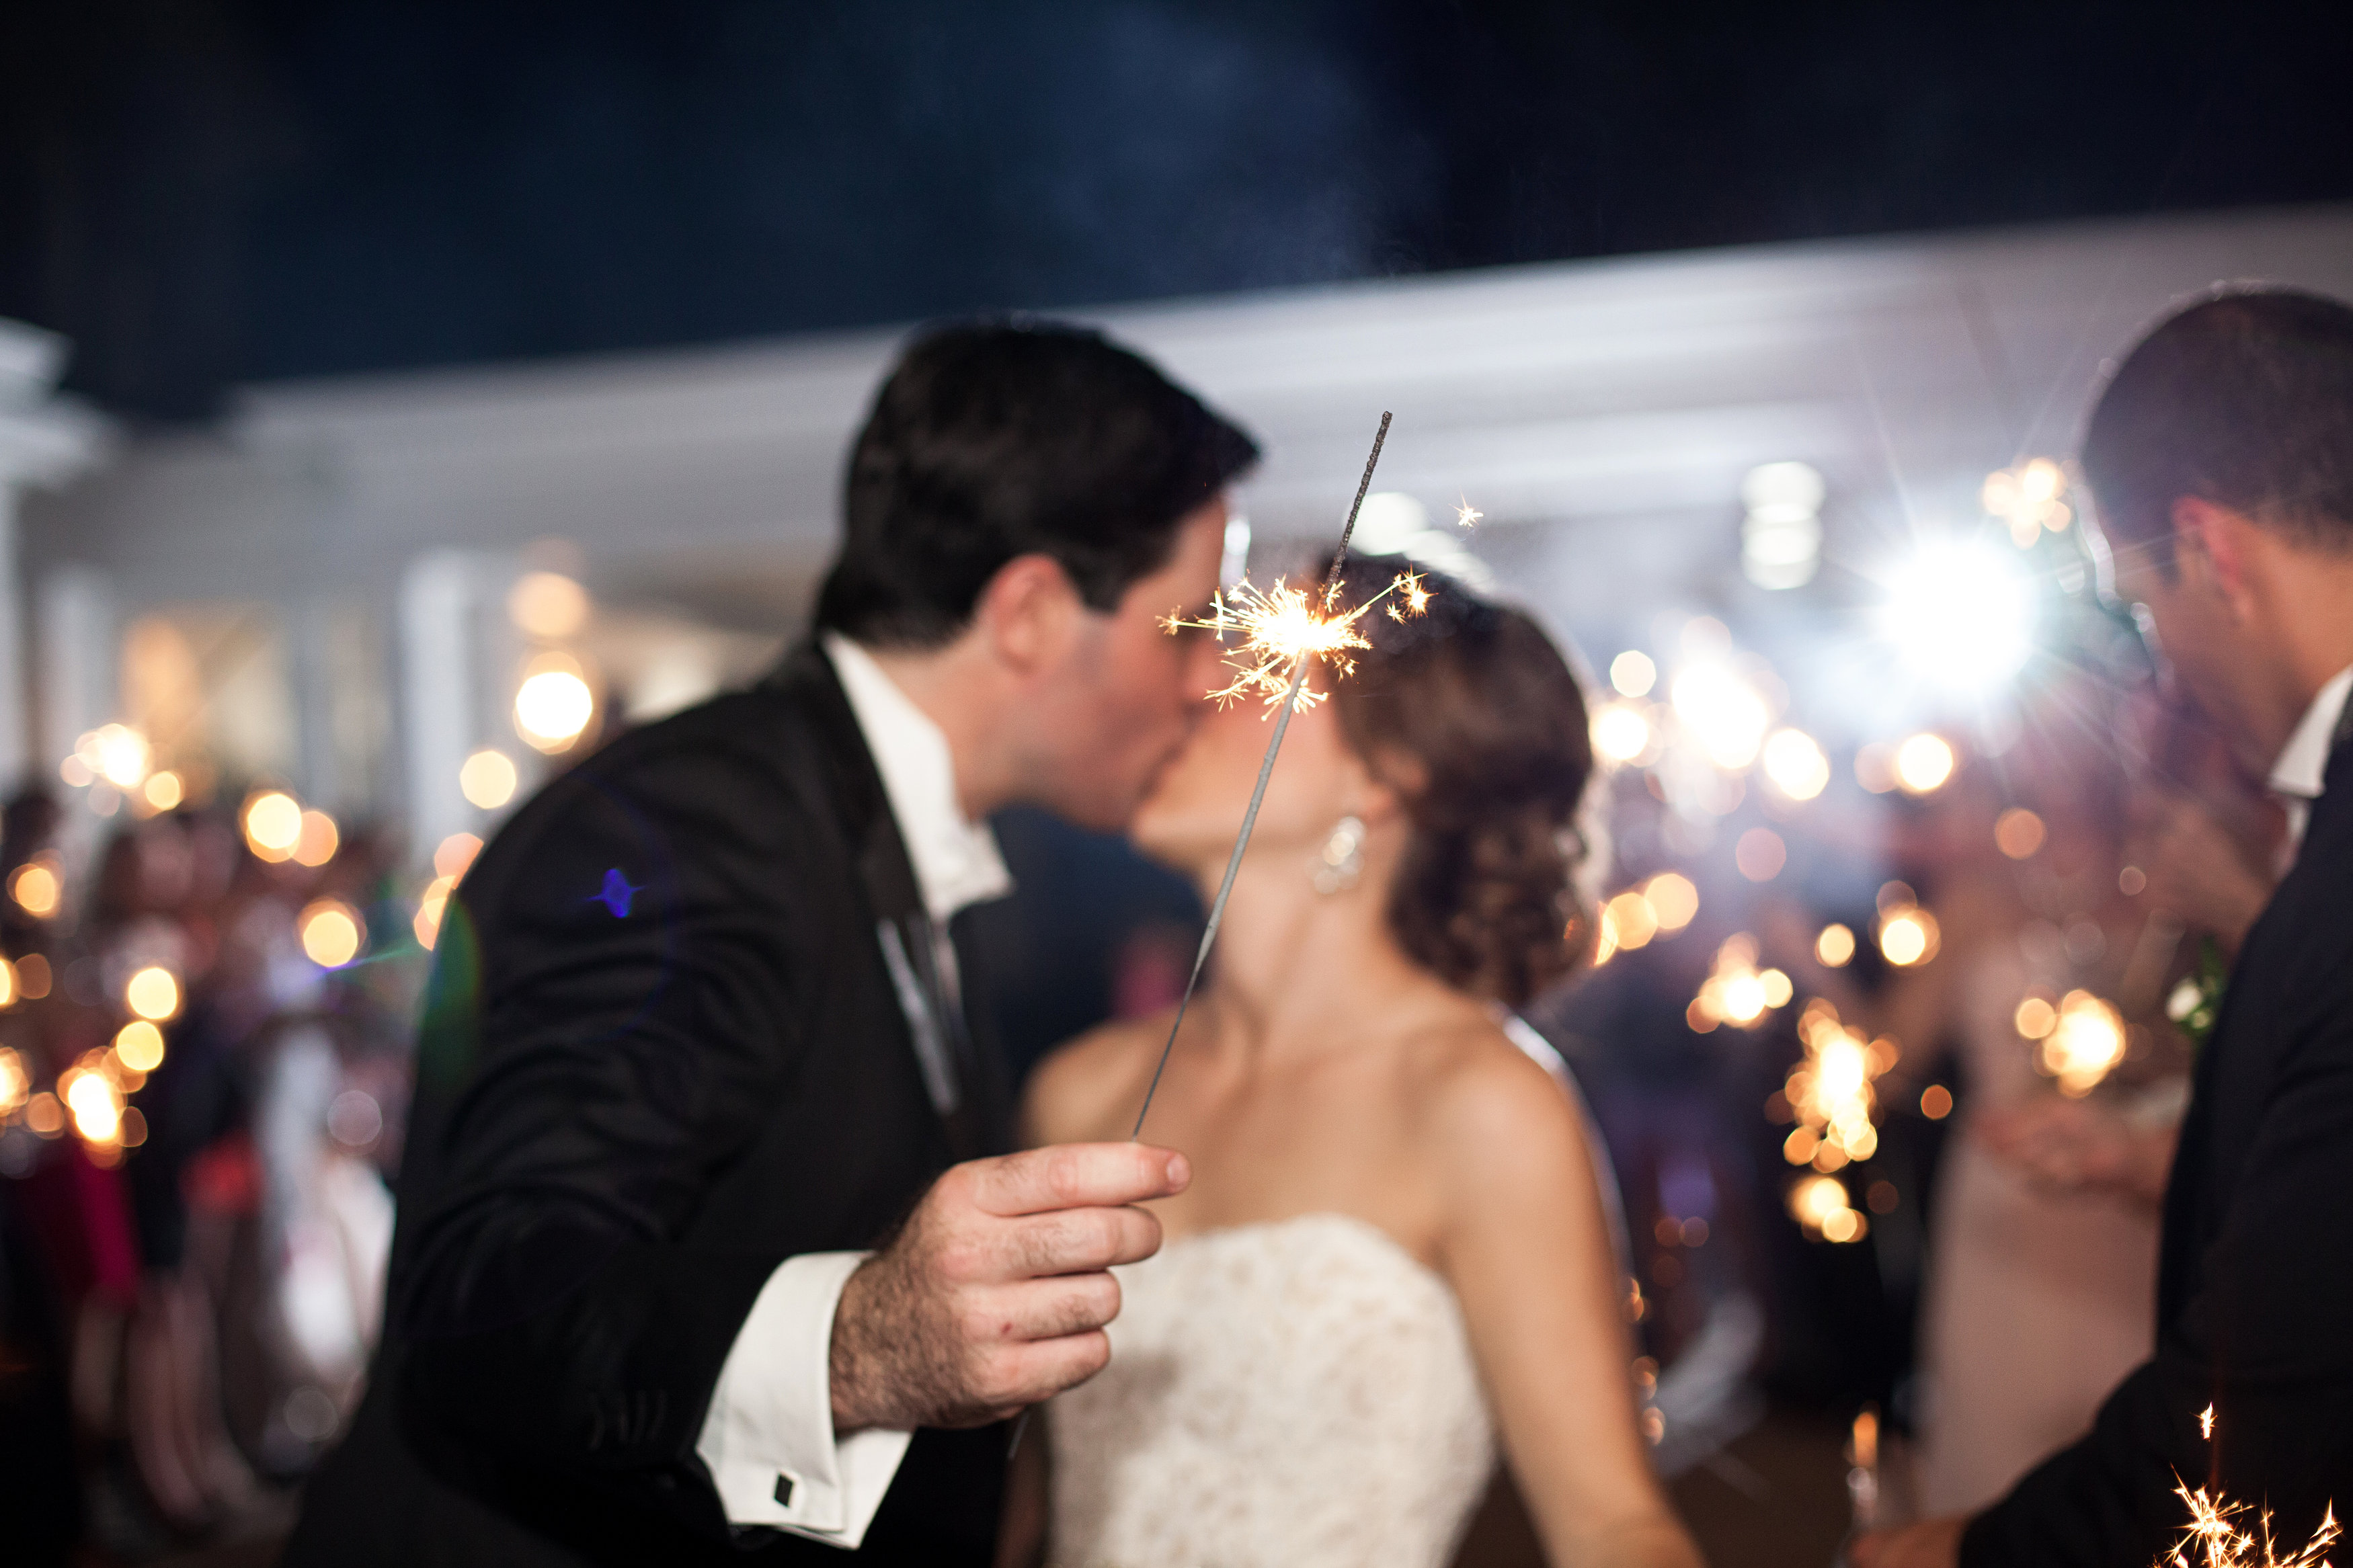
x=1281, y=626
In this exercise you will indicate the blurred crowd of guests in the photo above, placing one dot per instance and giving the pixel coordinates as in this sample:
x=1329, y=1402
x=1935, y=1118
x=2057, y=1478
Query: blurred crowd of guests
x=187, y=1309
x=191, y=1257
x=1997, y=1285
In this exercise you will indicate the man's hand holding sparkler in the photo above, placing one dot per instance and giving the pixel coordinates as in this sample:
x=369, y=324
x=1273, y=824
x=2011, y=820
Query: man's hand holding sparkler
x=995, y=1293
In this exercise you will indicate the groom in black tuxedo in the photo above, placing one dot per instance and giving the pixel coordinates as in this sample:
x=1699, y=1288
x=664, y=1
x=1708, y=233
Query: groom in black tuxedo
x=2221, y=457
x=697, y=1037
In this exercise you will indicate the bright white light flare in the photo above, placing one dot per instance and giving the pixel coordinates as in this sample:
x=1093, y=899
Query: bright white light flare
x=1961, y=613
x=1795, y=764
x=1723, y=713
x=554, y=704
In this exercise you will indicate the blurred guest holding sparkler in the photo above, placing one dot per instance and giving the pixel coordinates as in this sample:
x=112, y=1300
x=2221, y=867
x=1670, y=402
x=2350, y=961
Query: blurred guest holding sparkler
x=2220, y=454
x=2203, y=861
x=2035, y=1299
x=1396, y=1245
x=697, y=1035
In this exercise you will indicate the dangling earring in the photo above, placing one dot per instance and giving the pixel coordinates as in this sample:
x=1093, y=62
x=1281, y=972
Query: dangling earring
x=1342, y=860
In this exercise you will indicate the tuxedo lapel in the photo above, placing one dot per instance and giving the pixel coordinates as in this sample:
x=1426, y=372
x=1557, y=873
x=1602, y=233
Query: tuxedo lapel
x=925, y=976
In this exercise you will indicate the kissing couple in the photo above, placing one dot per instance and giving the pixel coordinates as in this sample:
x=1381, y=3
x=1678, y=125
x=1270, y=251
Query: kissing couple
x=714, y=1244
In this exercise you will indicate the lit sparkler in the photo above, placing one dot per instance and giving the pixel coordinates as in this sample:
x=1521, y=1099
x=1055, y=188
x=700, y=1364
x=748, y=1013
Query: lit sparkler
x=1467, y=516
x=2217, y=1536
x=1735, y=990
x=1829, y=1094
x=1282, y=628
x=1298, y=635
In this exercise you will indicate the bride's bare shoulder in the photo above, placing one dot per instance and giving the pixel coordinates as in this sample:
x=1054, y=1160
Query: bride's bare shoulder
x=1489, y=1112
x=1083, y=1089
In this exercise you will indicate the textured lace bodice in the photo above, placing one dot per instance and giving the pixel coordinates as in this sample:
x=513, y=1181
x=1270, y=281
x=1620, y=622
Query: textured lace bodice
x=1297, y=1393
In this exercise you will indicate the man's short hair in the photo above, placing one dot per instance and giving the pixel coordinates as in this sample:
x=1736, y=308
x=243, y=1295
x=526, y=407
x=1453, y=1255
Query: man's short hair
x=2244, y=399
x=996, y=439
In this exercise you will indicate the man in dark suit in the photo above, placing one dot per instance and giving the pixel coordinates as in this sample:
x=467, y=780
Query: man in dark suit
x=696, y=1037
x=2220, y=455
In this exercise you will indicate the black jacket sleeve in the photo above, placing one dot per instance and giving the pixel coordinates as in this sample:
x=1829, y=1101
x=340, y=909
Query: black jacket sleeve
x=2266, y=1335
x=617, y=990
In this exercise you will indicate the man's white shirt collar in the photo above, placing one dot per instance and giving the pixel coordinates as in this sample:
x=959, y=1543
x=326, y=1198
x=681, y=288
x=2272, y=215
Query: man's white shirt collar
x=957, y=860
x=2303, y=766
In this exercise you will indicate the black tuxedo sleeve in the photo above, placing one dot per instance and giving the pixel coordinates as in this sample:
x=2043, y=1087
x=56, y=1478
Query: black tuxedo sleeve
x=615, y=989
x=2266, y=1336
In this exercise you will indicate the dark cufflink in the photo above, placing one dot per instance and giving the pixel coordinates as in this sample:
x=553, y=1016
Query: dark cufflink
x=784, y=1491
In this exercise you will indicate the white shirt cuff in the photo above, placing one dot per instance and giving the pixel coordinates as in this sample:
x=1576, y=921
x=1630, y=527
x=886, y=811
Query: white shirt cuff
x=768, y=1437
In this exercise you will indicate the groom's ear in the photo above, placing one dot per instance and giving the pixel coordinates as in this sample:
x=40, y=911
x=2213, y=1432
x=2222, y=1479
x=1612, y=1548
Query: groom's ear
x=1028, y=614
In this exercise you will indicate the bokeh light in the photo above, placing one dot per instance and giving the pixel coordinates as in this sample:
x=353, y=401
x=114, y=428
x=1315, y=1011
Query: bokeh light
x=1735, y=990
x=164, y=790
x=2035, y=1018
x=1819, y=1203
x=36, y=888
x=272, y=820
x=96, y=1104
x=1908, y=937
x=1673, y=900
x=316, y=842
x=330, y=932
x=1724, y=713
x=2087, y=1040
x=1633, y=674
x=2018, y=833
x=2027, y=498
x=1760, y=855
x=1835, y=946
x=153, y=992
x=554, y=704
x=115, y=752
x=488, y=778
x=1923, y=762
x=1796, y=765
x=548, y=605
x=15, y=1083
x=454, y=854
x=139, y=1046
x=44, y=1115
x=1630, y=921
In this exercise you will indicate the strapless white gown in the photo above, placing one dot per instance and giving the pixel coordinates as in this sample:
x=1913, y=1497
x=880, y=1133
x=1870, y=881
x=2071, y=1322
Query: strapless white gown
x=1292, y=1394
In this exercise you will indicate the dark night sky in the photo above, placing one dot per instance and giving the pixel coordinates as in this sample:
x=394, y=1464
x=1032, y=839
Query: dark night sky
x=203, y=192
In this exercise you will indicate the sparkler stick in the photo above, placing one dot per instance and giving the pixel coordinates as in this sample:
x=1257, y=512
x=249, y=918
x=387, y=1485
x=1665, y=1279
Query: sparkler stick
x=1265, y=772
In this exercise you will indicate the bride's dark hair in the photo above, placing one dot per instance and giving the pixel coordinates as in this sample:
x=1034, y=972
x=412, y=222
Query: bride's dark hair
x=1470, y=714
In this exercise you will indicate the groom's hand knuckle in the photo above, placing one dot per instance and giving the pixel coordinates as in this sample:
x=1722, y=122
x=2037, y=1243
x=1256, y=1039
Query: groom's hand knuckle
x=1097, y=1300
x=1055, y=1240
x=962, y=1186
x=1063, y=1175
x=976, y=1318
x=962, y=1261
x=1090, y=1236
x=1090, y=1353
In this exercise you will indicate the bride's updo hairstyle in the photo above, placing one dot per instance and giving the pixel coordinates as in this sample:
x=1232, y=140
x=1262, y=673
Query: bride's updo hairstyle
x=1470, y=714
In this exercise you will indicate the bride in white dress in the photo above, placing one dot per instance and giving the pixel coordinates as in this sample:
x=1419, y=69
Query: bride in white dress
x=1395, y=1256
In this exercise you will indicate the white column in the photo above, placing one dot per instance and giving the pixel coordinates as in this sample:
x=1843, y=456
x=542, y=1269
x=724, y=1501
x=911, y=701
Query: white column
x=457, y=659
x=43, y=441
x=80, y=639
x=16, y=765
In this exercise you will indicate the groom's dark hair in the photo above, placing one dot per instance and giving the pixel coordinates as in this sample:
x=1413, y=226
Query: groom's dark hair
x=995, y=439
x=2243, y=398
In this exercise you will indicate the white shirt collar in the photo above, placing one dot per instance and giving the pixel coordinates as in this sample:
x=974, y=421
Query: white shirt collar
x=2303, y=766
x=956, y=861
